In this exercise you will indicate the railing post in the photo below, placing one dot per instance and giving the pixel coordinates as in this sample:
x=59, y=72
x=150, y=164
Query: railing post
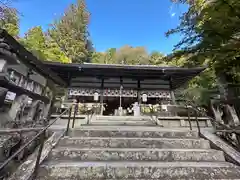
x=92, y=113
x=74, y=114
x=189, y=120
x=42, y=138
x=88, y=116
x=198, y=126
x=69, y=119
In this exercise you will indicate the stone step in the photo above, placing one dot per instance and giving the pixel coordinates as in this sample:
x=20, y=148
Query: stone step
x=126, y=124
x=133, y=128
x=137, y=170
x=107, y=122
x=128, y=154
x=123, y=118
x=93, y=142
x=182, y=118
x=130, y=132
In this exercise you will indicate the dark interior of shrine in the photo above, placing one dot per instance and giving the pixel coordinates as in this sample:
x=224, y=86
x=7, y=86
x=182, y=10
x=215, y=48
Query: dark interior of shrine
x=112, y=103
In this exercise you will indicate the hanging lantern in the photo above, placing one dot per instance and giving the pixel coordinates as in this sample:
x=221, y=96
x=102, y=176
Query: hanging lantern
x=144, y=97
x=96, y=96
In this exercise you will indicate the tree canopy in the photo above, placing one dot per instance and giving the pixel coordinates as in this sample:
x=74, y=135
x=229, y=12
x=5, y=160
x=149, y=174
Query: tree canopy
x=70, y=32
x=66, y=41
x=9, y=20
x=128, y=55
x=43, y=46
x=211, y=31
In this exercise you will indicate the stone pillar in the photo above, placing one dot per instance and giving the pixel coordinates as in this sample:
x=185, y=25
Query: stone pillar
x=3, y=93
x=216, y=111
x=136, y=109
x=228, y=93
x=172, y=92
x=173, y=97
x=33, y=109
x=3, y=65
x=120, y=111
x=182, y=123
x=222, y=85
x=4, y=119
x=232, y=117
x=48, y=106
x=18, y=103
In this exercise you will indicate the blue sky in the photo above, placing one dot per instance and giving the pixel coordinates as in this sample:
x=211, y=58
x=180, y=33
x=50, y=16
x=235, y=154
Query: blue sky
x=113, y=23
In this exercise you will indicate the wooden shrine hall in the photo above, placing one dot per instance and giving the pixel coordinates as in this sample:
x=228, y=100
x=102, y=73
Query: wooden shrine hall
x=121, y=85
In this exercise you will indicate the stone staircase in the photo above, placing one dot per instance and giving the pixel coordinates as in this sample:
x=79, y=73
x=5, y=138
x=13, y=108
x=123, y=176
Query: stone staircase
x=122, y=121
x=135, y=152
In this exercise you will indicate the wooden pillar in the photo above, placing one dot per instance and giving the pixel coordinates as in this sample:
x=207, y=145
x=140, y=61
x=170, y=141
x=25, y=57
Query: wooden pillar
x=172, y=93
x=139, y=92
x=101, y=96
x=120, y=109
x=120, y=93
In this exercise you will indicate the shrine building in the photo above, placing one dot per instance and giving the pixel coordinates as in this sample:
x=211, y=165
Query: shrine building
x=119, y=86
x=113, y=88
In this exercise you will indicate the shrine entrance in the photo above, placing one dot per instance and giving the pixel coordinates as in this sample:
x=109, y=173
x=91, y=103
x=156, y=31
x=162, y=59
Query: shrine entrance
x=112, y=104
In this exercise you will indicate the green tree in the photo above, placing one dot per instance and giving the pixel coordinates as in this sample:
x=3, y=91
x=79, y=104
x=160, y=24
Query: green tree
x=70, y=32
x=110, y=56
x=157, y=58
x=35, y=41
x=90, y=50
x=98, y=57
x=9, y=20
x=43, y=46
x=211, y=30
x=200, y=88
x=54, y=53
x=132, y=55
x=124, y=55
